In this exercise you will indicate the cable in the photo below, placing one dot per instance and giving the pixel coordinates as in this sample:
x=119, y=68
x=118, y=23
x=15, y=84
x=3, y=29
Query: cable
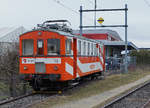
x=147, y=2
x=57, y=1
x=91, y=2
x=68, y=8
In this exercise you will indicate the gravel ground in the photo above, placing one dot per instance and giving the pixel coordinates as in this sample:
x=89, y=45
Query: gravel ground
x=97, y=99
x=26, y=101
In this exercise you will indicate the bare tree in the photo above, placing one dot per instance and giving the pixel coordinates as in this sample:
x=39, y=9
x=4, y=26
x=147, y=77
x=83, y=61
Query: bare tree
x=9, y=65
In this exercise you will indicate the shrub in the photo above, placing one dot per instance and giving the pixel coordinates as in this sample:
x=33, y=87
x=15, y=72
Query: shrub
x=142, y=57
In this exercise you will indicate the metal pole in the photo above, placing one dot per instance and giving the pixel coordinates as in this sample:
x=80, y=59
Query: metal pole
x=126, y=47
x=93, y=10
x=95, y=15
x=80, y=20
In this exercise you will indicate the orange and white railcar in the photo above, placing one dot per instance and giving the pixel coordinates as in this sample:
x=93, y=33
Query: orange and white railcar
x=49, y=57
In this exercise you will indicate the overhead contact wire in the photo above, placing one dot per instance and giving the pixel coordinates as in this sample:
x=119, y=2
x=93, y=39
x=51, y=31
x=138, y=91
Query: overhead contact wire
x=147, y=3
x=68, y=8
x=57, y=1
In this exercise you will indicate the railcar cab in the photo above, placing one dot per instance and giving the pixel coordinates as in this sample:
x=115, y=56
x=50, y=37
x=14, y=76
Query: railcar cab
x=37, y=51
x=42, y=52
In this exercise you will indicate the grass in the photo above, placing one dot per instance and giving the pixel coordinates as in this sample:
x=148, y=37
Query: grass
x=3, y=90
x=97, y=87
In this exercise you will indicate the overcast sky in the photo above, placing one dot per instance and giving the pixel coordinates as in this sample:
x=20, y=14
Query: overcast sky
x=28, y=13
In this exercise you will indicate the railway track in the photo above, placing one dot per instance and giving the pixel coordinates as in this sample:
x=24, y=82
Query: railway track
x=147, y=104
x=14, y=99
x=137, y=98
x=25, y=100
x=30, y=99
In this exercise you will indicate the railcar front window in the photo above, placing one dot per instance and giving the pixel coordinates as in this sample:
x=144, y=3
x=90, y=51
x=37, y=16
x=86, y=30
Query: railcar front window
x=27, y=47
x=53, y=46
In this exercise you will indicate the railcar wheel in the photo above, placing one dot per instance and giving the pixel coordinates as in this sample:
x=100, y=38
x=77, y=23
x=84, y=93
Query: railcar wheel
x=36, y=86
x=102, y=75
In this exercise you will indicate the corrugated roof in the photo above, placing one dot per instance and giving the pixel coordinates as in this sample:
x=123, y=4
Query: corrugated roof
x=5, y=30
x=101, y=31
x=11, y=34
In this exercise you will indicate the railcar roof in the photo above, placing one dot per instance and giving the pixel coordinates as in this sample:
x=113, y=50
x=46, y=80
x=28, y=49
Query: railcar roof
x=66, y=34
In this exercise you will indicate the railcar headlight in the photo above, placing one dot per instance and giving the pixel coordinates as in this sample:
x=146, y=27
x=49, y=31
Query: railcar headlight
x=55, y=68
x=39, y=33
x=25, y=67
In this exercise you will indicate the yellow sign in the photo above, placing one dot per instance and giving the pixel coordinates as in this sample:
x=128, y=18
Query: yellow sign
x=100, y=20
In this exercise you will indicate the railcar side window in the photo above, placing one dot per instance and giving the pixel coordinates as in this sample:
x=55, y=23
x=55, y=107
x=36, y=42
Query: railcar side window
x=53, y=46
x=88, y=49
x=95, y=50
x=79, y=47
x=84, y=48
x=40, y=47
x=92, y=53
x=27, y=47
x=102, y=48
x=68, y=46
x=98, y=50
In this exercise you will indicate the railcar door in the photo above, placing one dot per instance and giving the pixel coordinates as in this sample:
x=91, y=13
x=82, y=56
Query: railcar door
x=75, y=57
x=102, y=56
x=39, y=61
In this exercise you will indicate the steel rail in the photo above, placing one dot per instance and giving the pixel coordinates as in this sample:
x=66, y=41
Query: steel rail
x=126, y=95
x=146, y=104
x=15, y=99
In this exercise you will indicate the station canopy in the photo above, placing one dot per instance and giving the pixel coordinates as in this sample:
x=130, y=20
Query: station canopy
x=120, y=44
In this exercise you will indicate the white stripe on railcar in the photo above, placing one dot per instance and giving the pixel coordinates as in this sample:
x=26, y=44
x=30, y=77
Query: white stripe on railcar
x=69, y=68
x=45, y=60
x=102, y=60
x=86, y=66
